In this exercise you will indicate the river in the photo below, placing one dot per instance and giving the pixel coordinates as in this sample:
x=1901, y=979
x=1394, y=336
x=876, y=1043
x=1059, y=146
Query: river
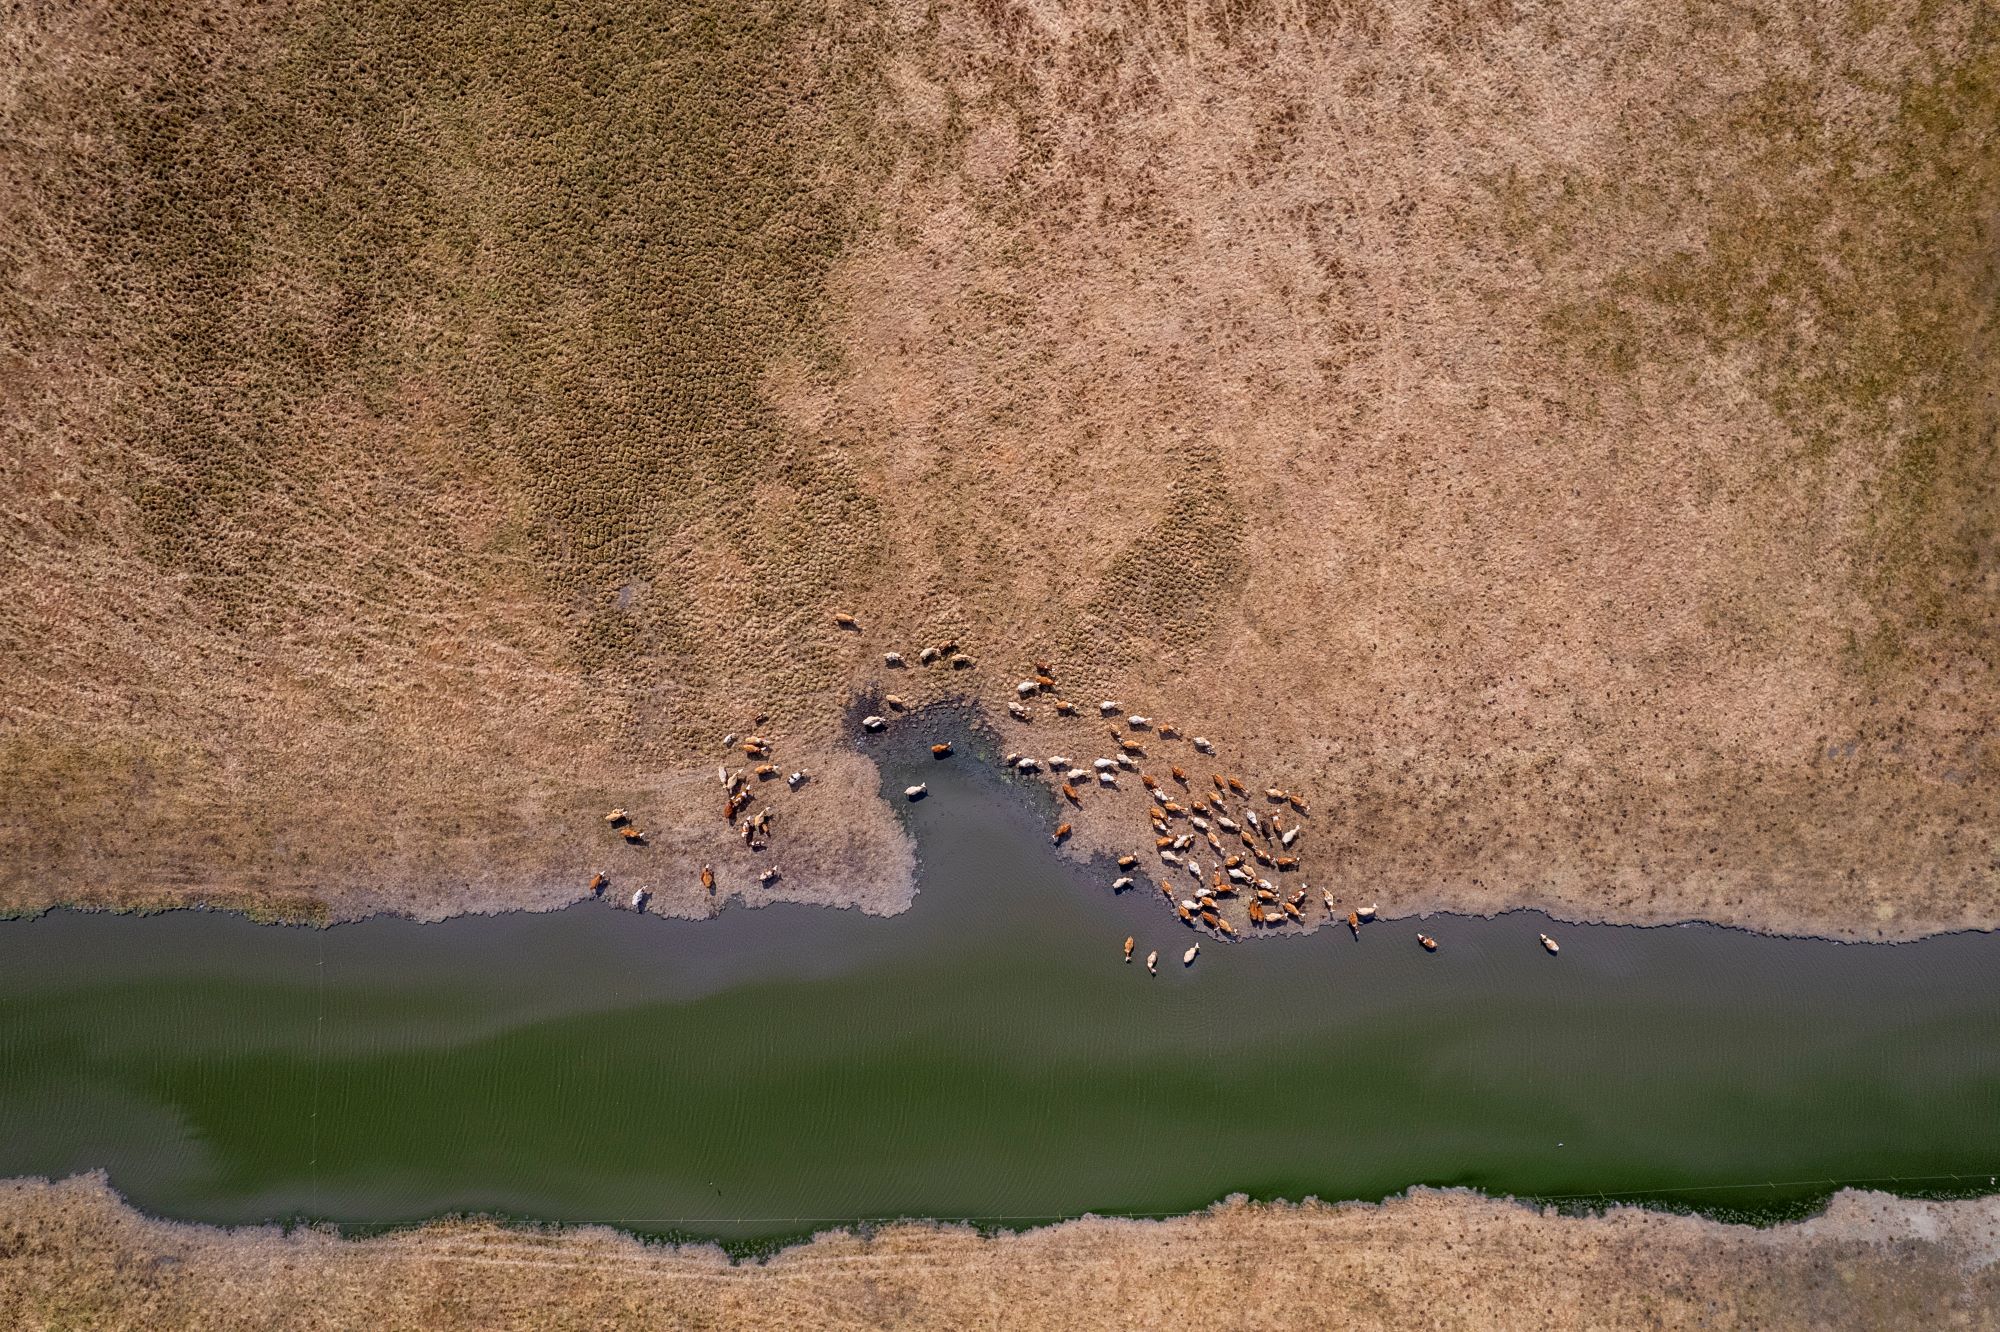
x=986, y=1055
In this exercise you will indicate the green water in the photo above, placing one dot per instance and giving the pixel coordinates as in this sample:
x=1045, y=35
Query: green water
x=984, y=1055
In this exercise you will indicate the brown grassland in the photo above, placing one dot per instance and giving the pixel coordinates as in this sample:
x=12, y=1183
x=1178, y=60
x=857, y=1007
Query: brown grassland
x=76, y=1259
x=1559, y=437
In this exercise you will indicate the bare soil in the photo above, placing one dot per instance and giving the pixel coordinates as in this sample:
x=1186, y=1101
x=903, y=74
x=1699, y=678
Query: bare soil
x=1559, y=438
x=77, y=1258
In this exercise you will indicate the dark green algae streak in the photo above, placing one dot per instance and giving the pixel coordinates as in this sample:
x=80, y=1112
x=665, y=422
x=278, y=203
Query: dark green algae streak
x=984, y=1056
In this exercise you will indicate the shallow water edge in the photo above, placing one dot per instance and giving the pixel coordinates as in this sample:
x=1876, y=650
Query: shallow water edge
x=899, y=753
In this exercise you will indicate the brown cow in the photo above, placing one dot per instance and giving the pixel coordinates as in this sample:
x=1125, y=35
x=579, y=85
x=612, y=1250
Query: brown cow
x=1062, y=831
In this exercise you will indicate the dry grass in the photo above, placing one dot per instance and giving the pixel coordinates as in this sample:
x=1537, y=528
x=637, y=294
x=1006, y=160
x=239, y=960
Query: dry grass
x=76, y=1258
x=1560, y=437
x=386, y=377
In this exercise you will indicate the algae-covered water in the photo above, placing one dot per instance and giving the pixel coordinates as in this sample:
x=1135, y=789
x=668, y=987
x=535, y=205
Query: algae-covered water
x=984, y=1055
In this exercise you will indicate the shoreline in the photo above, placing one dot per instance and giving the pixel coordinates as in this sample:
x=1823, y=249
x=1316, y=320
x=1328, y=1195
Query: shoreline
x=1575, y=1206
x=76, y=1244
x=1569, y=1207
x=1032, y=798
x=735, y=903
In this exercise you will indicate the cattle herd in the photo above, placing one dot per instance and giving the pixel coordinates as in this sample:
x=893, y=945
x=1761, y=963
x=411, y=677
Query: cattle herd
x=1228, y=851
